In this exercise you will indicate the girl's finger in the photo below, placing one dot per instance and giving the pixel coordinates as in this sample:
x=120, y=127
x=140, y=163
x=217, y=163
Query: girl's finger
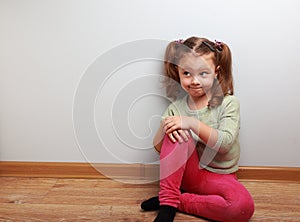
x=177, y=136
x=183, y=135
x=187, y=133
x=172, y=129
x=169, y=127
x=172, y=137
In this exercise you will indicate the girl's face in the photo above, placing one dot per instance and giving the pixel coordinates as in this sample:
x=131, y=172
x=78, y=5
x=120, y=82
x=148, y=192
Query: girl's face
x=197, y=74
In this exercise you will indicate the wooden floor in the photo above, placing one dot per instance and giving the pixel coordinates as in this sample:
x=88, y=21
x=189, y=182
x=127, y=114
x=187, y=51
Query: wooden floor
x=51, y=199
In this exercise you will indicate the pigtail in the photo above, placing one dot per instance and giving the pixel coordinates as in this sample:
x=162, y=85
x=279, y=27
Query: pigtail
x=225, y=70
x=171, y=80
x=223, y=84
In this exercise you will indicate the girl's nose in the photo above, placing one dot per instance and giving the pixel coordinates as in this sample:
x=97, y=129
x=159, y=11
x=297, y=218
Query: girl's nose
x=195, y=80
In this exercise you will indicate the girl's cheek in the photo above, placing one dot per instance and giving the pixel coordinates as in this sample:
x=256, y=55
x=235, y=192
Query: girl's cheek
x=206, y=82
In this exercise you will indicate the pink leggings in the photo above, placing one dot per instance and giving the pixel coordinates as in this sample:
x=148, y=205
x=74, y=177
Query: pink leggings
x=218, y=197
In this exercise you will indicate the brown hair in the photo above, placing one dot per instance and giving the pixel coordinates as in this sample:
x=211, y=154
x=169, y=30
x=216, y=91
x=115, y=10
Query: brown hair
x=222, y=86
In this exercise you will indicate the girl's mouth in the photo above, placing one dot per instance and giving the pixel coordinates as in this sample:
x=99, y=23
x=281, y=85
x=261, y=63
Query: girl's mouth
x=195, y=87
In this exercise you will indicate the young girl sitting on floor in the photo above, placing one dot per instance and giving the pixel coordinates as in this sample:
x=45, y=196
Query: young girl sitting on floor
x=198, y=137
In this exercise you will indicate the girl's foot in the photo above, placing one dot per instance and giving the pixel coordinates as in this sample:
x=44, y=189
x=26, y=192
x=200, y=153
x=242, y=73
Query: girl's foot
x=166, y=214
x=150, y=204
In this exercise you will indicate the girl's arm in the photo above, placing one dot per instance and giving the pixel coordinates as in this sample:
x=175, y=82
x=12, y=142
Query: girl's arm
x=158, y=138
x=206, y=133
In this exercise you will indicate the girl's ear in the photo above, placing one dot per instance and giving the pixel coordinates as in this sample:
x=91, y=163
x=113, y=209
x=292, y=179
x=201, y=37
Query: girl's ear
x=217, y=71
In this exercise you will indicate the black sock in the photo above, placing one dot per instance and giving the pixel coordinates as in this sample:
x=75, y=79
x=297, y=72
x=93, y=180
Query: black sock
x=166, y=214
x=150, y=204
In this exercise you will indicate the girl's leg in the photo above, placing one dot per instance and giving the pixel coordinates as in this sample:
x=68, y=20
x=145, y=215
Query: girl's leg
x=218, y=197
x=173, y=158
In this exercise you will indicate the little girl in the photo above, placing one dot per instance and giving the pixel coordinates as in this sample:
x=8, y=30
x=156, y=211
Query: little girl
x=198, y=137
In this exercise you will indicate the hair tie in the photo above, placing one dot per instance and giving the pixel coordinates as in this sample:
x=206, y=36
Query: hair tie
x=179, y=41
x=218, y=45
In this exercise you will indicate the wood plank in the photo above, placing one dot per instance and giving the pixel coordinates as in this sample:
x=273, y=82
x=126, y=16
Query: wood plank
x=51, y=199
x=50, y=212
x=136, y=172
x=276, y=193
x=76, y=200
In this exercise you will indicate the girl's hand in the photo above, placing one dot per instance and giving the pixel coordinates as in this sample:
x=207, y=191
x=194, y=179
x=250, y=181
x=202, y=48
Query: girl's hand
x=177, y=127
x=180, y=136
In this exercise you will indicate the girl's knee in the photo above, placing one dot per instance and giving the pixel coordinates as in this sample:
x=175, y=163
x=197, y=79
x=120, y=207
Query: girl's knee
x=243, y=206
x=247, y=209
x=241, y=211
x=246, y=212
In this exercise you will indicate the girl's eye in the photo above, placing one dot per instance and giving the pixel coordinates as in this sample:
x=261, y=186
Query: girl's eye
x=186, y=73
x=203, y=74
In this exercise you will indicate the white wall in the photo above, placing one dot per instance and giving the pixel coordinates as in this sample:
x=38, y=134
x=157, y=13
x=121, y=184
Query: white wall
x=50, y=51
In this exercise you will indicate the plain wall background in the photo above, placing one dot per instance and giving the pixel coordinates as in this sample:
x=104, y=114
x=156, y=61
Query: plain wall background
x=46, y=48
